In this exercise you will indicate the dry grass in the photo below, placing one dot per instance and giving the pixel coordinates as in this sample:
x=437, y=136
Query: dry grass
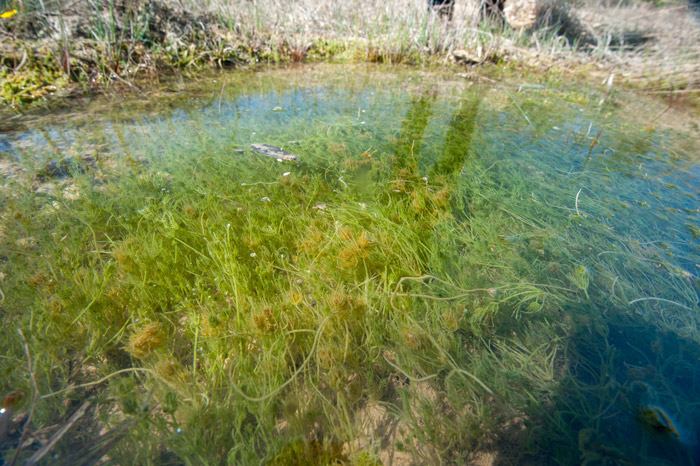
x=633, y=33
x=655, y=48
x=668, y=57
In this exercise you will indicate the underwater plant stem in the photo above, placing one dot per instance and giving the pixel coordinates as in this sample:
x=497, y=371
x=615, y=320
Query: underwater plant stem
x=590, y=150
x=527, y=221
x=97, y=382
x=519, y=108
x=651, y=298
x=191, y=248
x=35, y=395
x=456, y=369
x=411, y=378
x=119, y=332
x=467, y=292
x=94, y=299
x=94, y=236
x=432, y=277
x=237, y=389
x=576, y=202
x=194, y=354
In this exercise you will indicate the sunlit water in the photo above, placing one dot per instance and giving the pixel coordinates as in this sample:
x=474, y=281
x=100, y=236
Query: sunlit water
x=565, y=210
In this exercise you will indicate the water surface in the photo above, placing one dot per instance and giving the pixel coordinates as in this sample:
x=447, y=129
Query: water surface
x=453, y=272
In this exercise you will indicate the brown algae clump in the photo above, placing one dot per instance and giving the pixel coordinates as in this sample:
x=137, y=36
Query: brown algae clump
x=265, y=321
x=145, y=340
x=171, y=371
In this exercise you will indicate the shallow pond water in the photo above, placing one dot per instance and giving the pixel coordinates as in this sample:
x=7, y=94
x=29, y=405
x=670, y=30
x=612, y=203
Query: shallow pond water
x=451, y=273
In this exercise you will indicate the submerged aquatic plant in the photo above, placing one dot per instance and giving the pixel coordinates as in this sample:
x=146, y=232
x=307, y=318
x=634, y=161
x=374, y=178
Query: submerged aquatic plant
x=426, y=274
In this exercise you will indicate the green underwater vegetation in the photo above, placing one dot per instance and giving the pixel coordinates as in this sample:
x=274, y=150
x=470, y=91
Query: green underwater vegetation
x=450, y=269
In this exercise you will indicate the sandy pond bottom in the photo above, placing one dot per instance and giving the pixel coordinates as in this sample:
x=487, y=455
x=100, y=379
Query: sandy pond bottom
x=452, y=273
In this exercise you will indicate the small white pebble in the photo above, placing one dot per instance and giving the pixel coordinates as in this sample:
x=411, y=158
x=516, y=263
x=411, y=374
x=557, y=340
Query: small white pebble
x=286, y=173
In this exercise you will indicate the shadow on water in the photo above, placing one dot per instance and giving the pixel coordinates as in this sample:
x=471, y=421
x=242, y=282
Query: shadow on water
x=458, y=139
x=410, y=139
x=628, y=398
x=629, y=366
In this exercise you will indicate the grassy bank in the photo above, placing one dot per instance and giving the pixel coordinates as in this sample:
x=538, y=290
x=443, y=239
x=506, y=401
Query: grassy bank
x=62, y=48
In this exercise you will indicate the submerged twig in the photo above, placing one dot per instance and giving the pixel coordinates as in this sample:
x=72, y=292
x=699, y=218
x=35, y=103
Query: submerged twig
x=98, y=447
x=39, y=454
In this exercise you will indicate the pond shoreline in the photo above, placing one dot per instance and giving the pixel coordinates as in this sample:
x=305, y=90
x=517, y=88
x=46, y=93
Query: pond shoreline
x=47, y=57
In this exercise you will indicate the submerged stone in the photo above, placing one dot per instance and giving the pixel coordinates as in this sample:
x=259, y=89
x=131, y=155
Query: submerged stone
x=274, y=152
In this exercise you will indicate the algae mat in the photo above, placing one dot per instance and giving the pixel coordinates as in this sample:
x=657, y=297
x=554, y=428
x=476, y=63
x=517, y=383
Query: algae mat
x=449, y=273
